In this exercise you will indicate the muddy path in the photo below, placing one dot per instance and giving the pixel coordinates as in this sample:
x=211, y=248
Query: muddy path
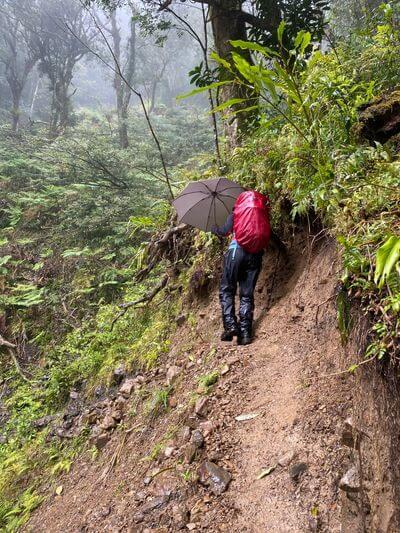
x=286, y=382
x=284, y=378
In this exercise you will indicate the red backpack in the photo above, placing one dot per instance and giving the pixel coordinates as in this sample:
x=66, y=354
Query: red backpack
x=251, y=221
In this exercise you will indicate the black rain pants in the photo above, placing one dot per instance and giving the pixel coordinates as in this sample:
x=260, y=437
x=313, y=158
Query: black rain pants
x=243, y=268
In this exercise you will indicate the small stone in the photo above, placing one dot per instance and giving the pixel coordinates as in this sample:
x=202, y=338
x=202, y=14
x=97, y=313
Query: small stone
x=90, y=417
x=349, y=433
x=155, y=503
x=192, y=421
x=99, y=391
x=206, y=427
x=296, y=470
x=215, y=477
x=181, y=319
x=169, y=451
x=127, y=388
x=191, y=526
x=104, y=511
x=172, y=373
x=224, y=370
x=172, y=402
x=120, y=403
x=101, y=440
x=147, y=480
x=44, y=421
x=200, y=407
x=197, y=438
x=108, y=422
x=189, y=453
x=139, y=496
x=119, y=374
x=180, y=516
x=350, y=482
x=287, y=458
x=138, y=518
x=116, y=414
x=185, y=433
x=74, y=395
x=64, y=434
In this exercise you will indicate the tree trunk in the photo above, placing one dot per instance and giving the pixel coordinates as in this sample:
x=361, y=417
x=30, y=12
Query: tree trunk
x=60, y=108
x=16, y=110
x=34, y=97
x=122, y=92
x=228, y=26
x=123, y=127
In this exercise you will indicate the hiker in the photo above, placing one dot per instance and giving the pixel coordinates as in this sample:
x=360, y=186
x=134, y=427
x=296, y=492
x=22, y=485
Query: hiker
x=249, y=223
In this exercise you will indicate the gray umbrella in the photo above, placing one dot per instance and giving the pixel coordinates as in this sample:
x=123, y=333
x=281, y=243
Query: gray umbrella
x=207, y=203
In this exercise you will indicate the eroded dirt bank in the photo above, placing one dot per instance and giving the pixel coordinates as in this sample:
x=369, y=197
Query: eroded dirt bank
x=146, y=478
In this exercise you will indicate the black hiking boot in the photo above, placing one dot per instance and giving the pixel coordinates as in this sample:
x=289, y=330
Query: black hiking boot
x=243, y=340
x=228, y=334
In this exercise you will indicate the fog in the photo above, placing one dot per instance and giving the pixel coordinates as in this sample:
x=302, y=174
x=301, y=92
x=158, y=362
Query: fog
x=62, y=57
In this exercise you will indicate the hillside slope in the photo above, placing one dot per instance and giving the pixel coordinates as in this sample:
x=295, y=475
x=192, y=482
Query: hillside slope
x=146, y=478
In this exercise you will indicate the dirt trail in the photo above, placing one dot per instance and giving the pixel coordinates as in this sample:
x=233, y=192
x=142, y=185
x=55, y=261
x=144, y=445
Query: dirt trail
x=280, y=377
x=299, y=411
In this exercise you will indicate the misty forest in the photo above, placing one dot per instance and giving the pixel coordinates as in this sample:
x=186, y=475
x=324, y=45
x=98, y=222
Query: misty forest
x=120, y=409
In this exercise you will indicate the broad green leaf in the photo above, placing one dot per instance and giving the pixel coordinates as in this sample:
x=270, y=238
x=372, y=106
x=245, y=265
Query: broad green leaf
x=269, y=83
x=76, y=252
x=303, y=39
x=306, y=41
x=299, y=38
x=203, y=89
x=245, y=45
x=245, y=109
x=228, y=103
x=244, y=68
x=281, y=29
x=386, y=258
x=4, y=260
x=221, y=61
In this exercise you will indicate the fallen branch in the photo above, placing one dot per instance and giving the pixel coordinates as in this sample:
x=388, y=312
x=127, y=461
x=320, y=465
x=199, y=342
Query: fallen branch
x=144, y=300
x=348, y=370
x=10, y=349
x=4, y=342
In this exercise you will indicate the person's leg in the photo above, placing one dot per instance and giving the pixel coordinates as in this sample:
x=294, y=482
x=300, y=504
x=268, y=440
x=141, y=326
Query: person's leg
x=247, y=282
x=227, y=294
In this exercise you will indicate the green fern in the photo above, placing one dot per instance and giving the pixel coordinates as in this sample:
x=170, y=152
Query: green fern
x=387, y=257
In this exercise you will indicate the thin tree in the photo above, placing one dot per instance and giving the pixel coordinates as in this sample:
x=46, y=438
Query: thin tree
x=123, y=94
x=116, y=68
x=16, y=53
x=59, y=51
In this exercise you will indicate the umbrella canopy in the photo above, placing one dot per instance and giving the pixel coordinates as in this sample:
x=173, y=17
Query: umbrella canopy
x=207, y=203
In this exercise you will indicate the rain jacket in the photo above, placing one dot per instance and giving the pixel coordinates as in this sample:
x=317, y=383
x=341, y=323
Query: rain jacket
x=240, y=268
